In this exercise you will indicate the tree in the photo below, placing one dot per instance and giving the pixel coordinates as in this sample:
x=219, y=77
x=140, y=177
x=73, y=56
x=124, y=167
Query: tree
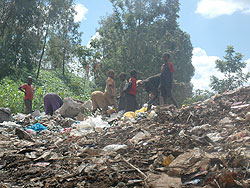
x=137, y=34
x=231, y=67
x=19, y=42
x=66, y=32
x=25, y=28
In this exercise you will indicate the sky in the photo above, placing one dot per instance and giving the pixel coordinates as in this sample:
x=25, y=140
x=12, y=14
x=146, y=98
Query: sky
x=212, y=25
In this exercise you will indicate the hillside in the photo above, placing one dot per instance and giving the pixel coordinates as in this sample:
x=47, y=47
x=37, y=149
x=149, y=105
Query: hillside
x=49, y=81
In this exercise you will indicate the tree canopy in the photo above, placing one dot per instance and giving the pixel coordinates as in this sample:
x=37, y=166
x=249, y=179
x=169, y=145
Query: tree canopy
x=231, y=68
x=26, y=27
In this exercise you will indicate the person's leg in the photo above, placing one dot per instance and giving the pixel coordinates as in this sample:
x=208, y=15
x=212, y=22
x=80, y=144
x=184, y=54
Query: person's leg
x=94, y=104
x=28, y=106
x=122, y=103
x=129, y=103
x=163, y=96
x=172, y=98
x=135, y=107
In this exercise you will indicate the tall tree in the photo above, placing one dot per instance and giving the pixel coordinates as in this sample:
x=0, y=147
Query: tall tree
x=25, y=28
x=231, y=68
x=65, y=35
x=19, y=42
x=137, y=34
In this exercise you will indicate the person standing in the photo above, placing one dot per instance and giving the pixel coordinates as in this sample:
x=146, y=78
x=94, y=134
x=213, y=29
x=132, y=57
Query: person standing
x=28, y=89
x=52, y=102
x=110, y=90
x=122, y=97
x=131, y=103
x=166, y=80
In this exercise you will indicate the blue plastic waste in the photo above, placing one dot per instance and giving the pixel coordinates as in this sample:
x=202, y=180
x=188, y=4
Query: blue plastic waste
x=37, y=127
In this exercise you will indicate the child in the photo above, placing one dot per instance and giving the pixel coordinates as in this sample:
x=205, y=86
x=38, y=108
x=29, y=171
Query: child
x=166, y=79
x=28, y=89
x=110, y=90
x=131, y=103
x=122, y=98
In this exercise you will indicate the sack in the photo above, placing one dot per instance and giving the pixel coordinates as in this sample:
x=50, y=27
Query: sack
x=127, y=86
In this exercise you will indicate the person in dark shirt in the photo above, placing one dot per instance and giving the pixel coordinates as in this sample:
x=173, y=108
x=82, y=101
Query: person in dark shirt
x=52, y=102
x=166, y=79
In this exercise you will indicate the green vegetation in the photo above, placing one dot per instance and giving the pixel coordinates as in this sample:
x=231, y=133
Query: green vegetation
x=231, y=68
x=198, y=95
x=50, y=81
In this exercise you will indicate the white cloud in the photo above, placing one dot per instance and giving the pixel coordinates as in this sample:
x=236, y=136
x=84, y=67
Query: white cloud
x=95, y=36
x=214, y=8
x=247, y=69
x=81, y=11
x=204, y=68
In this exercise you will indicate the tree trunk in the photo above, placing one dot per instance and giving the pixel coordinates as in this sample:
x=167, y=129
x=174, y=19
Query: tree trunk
x=41, y=57
x=64, y=50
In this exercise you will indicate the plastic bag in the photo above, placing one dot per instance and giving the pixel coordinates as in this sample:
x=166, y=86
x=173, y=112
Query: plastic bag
x=129, y=115
x=37, y=127
x=139, y=136
x=114, y=147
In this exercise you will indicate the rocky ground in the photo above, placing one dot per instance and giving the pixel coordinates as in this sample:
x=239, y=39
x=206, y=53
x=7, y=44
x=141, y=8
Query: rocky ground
x=206, y=144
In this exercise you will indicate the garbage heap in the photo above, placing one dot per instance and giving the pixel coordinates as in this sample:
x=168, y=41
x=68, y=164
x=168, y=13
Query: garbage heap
x=206, y=144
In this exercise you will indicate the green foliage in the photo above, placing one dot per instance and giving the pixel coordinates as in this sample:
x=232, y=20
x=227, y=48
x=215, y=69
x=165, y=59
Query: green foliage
x=198, y=95
x=25, y=28
x=19, y=42
x=50, y=81
x=231, y=67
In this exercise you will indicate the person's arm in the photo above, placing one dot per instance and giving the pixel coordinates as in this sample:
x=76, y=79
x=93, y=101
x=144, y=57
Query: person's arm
x=21, y=89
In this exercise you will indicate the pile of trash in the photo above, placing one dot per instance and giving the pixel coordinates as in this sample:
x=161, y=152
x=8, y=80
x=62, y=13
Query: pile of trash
x=206, y=144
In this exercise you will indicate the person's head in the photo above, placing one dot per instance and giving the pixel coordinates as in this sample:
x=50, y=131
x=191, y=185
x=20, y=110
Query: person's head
x=122, y=76
x=111, y=73
x=29, y=80
x=133, y=73
x=165, y=57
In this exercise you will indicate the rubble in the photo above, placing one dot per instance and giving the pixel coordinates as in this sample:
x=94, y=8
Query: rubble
x=71, y=108
x=5, y=114
x=206, y=144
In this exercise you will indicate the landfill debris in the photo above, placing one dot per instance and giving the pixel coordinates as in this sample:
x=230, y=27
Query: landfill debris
x=5, y=114
x=70, y=108
x=206, y=144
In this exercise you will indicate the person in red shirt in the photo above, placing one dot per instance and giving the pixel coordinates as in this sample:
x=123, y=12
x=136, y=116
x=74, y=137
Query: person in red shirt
x=131, y=103
x=166, y=79
x=28, y=89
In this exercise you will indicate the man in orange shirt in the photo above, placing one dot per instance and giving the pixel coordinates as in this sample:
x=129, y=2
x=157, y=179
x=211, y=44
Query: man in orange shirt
x=110, y=90
x=28, y=89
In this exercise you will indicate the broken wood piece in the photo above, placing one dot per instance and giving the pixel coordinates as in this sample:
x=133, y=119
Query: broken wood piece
x=137, y=169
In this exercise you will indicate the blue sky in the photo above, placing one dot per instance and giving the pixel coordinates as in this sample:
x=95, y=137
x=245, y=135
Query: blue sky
x=211, y=24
